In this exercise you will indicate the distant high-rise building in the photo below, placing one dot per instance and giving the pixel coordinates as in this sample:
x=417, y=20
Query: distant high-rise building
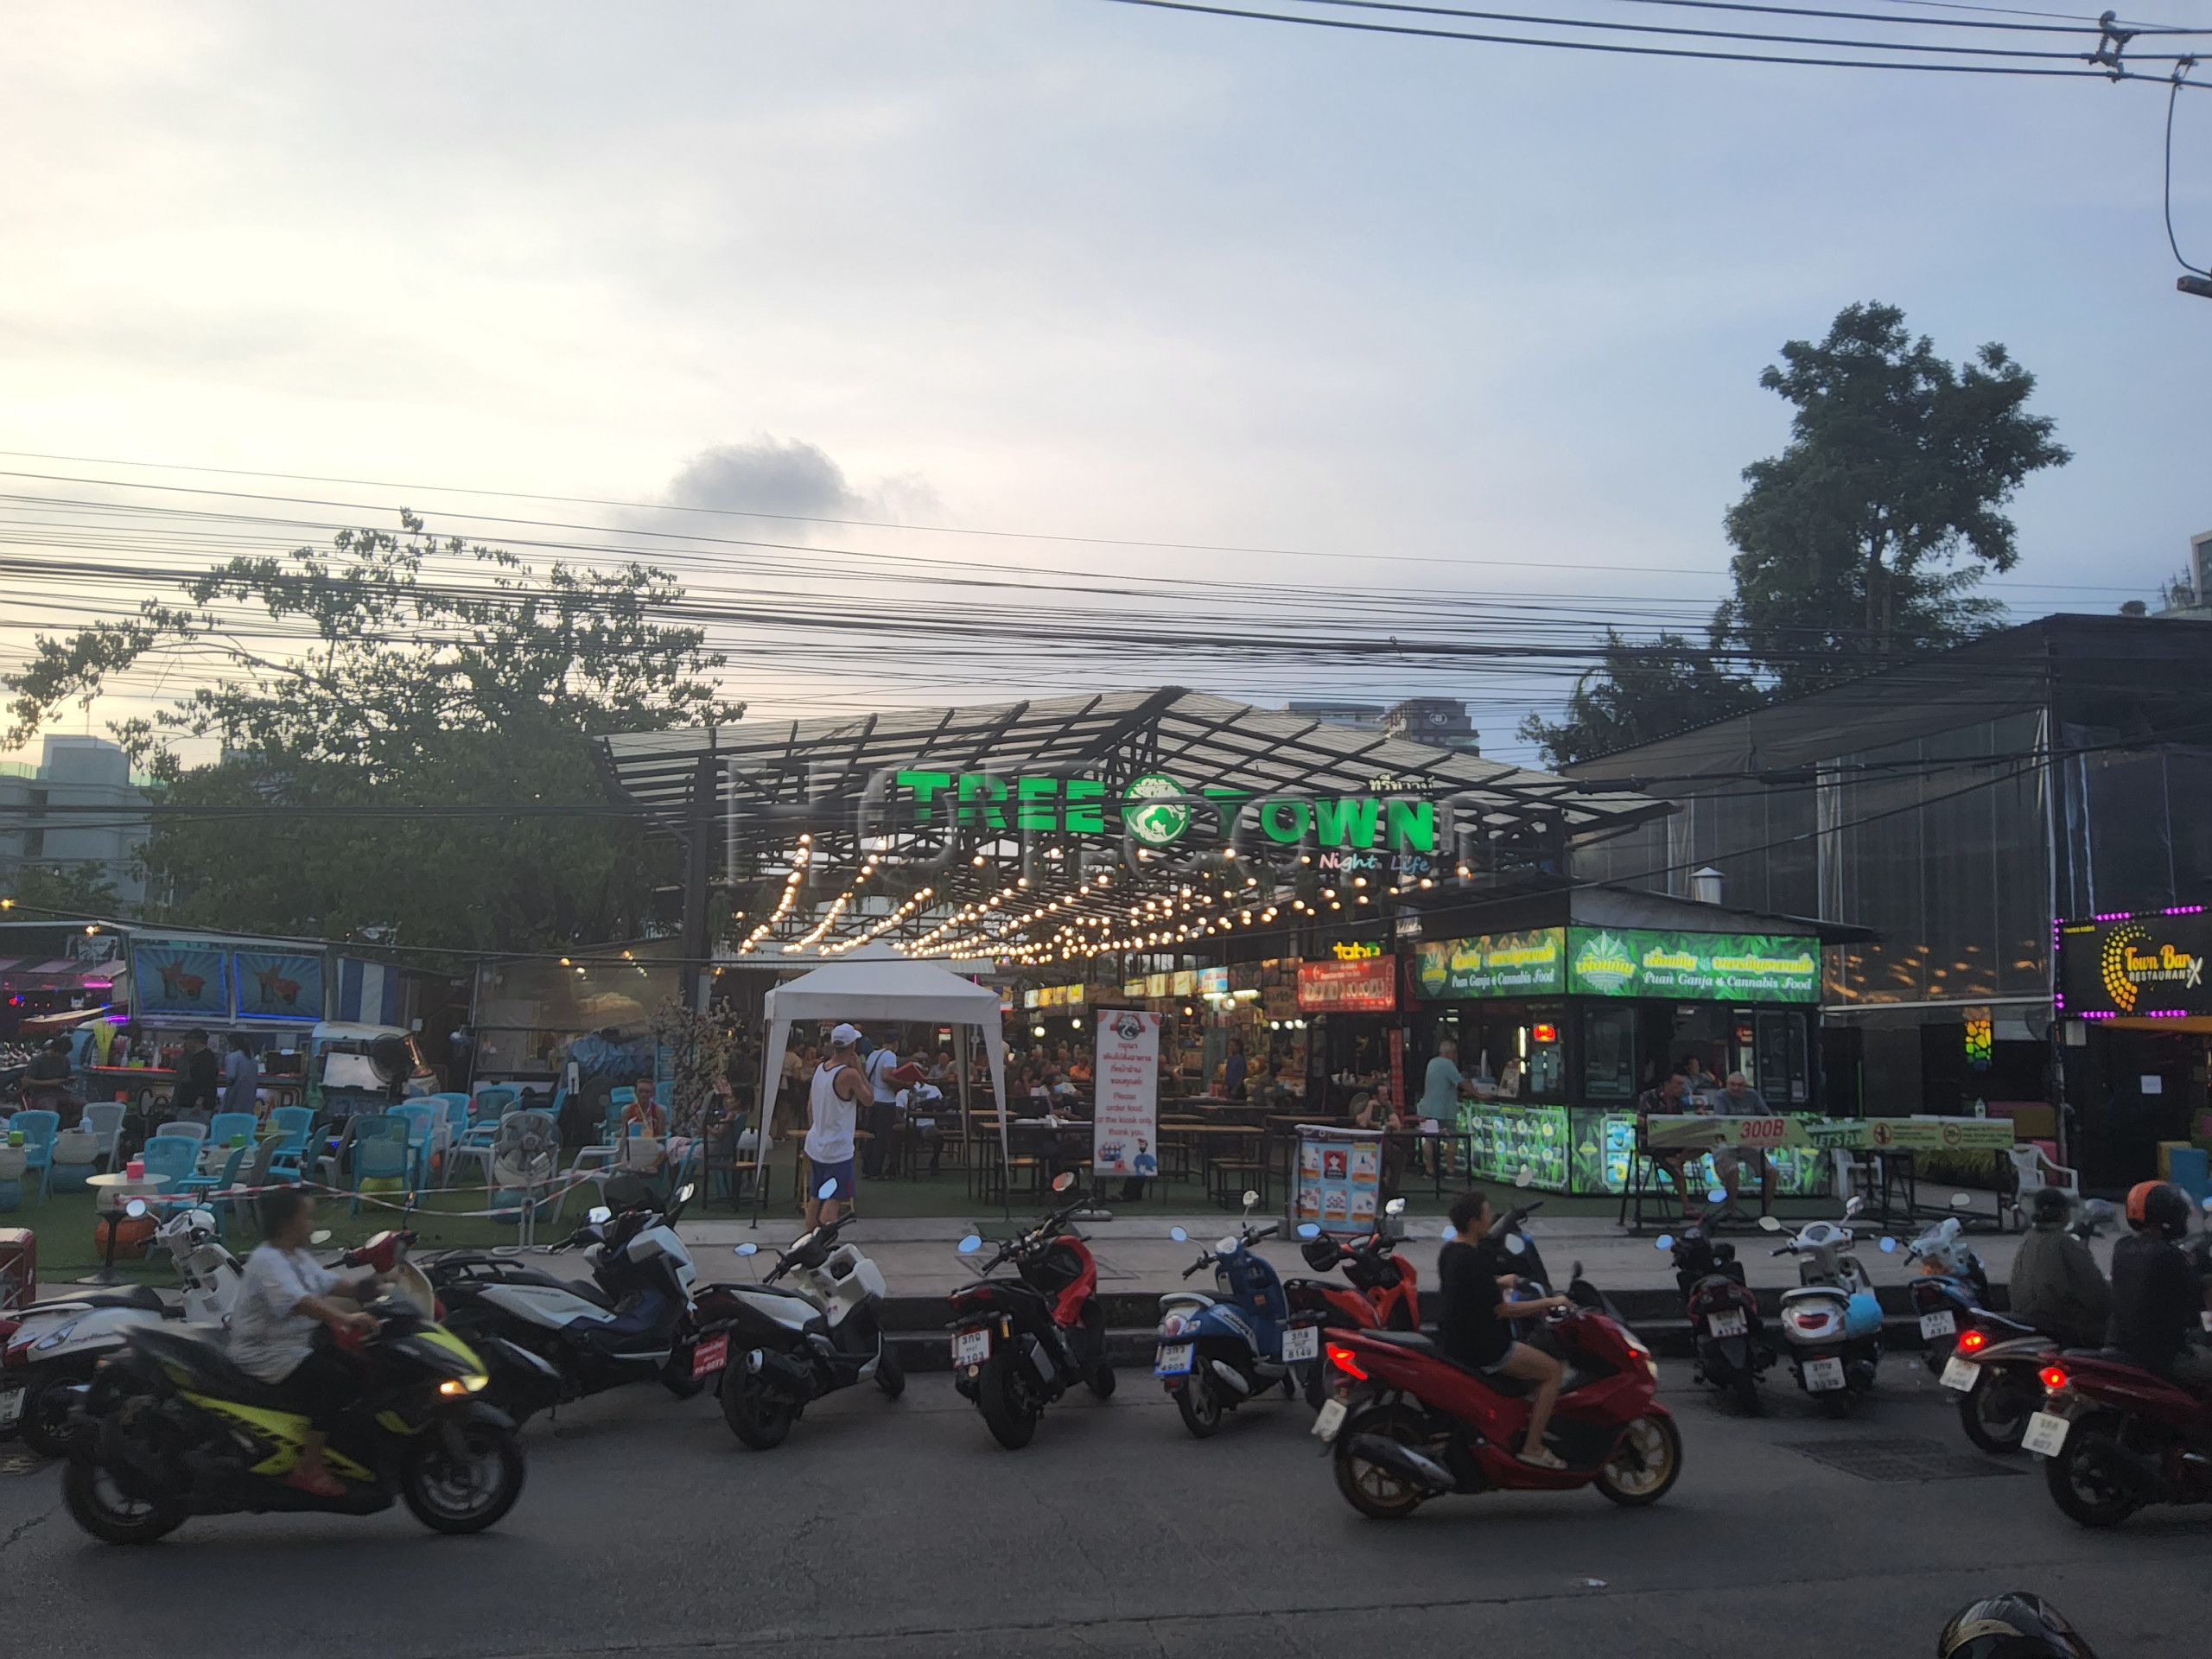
x=75, y=773
x=2190, y=595
x=1440, y=722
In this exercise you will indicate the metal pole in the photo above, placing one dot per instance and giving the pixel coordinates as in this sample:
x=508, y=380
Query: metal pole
x=699, y=822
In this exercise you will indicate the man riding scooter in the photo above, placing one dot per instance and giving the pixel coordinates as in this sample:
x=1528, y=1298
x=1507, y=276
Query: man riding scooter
x=1474, y=1325
x=2057, y=1285
x=2157, y=1296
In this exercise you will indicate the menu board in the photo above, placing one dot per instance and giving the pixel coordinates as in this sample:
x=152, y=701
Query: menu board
x=1704, y=967
x=1365, y=987
x=1339, y=1178
x=1493, y=964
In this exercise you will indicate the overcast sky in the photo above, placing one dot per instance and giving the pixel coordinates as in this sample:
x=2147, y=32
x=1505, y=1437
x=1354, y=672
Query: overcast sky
x=1058, y=265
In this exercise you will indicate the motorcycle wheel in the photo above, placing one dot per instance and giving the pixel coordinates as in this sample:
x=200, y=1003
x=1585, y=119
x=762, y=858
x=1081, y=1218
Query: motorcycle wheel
x=101, y=1507
x=1644, y=1464
x=1378, y=1493
x=1313, y=1382
x=47, y=1405
x=2087, y=1478
x=1100, y=1380
x=757, y=1418
x=1200, y=1407
x=890, y=1375
x=1008, y=1410
x=1746, y=1385
x=465, y=1495
x=1995, y=1412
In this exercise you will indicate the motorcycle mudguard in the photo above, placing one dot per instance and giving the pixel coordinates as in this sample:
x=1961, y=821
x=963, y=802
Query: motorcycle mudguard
x=477, y=1411
x=1730, y=1353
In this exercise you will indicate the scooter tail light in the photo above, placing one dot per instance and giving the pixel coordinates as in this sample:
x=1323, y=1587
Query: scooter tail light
x=2052, y=1378
x=1973, y=1342
x=1346, y=1361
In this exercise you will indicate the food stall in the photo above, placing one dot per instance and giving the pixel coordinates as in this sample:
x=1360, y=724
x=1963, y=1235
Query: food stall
x=1357, y=1044
x=1561, y=1027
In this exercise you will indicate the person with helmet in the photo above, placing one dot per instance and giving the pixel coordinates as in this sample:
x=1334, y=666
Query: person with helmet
x=2156, y=1297
x=2056, y=1285
x=2019, y=1624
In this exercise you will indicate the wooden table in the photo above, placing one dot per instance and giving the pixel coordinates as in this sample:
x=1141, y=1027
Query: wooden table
x=1242, y=1133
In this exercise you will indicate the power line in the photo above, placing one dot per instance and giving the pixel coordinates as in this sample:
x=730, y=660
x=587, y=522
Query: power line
x=2087, y=71
x=2067, y=25
x=2173, y=97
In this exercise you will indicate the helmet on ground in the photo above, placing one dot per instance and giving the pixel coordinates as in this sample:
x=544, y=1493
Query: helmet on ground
x=2019, y=1624
x=2160, y=1204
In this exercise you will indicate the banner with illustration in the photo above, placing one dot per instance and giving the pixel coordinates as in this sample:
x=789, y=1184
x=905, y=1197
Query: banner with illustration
x=179, y=976
x=1533, y=963
x=279, y=985
x=1125, y=1132
x=1339, y=1178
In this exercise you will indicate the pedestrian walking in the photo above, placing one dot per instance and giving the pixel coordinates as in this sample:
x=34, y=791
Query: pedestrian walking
x=835, y=1095
x=241, y=1077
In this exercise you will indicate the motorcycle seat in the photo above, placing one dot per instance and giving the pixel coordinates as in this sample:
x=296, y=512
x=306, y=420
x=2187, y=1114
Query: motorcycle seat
x=213, y=1370
x=142, y=1297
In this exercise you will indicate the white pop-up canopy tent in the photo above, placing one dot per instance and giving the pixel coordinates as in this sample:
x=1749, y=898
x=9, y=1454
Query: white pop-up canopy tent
x=875, y=982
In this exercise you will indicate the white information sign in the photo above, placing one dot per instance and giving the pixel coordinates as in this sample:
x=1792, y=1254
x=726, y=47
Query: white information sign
x=1125, y=1135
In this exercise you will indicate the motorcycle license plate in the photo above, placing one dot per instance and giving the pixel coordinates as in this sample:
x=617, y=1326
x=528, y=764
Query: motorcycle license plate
x=1960, y=1373
x=970, y=1347
x=710, y=1357
x=1943, y=1323
x=1173, y=1359
x=2046, y=1435
x=1301, y=1342
x=1331, y=1420
x=1729, y=1324
x=1823, y=1376
x=11, y=1407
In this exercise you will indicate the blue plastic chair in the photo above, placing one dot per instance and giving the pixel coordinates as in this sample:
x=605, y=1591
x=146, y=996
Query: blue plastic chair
x=422, y=1119
x=294, y=1124
x=176, y=1156
x=665, y=1093
x=39, y=1129
x=623, y=1098
x=225, y=1127
x=378, y=1150
x=485, y=1108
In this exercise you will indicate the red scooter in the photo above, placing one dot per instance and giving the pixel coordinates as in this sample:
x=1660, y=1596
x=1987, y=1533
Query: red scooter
x=1383, y=1293
x=1020, y=1344
x=1414, y=1425
x=2116, y=1436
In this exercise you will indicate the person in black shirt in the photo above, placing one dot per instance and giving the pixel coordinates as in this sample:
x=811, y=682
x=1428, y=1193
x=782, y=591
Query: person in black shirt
x=1472, y=1326
x=2155, y=1295
x=198, y=1074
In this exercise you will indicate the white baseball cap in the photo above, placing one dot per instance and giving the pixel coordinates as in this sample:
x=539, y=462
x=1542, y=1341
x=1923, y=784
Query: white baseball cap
x=845, y=1036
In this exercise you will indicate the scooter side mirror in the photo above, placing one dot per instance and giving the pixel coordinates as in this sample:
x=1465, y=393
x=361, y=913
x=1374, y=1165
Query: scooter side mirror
x=135, y=1209
x=828, y=1189
x=1769, y=1224
x=748, y=1249
x=1313, y=1229
x=1664, y=1243
x=1716, y=1195
x=1889, y=1245
x=1065, y=1180
x=969, y=1245
x=1179, y=1234
x=1853, y=1208
x=1961, y=1200
x=1250, y=1197
x=1395, y=1207
x=683, y=1192
x=1449, y=1234
x=1526, y=1177
x=599, y=1215
x=320, y=1236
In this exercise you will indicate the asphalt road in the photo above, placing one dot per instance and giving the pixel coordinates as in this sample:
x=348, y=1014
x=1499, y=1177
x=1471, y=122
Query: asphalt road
x=901, y=1531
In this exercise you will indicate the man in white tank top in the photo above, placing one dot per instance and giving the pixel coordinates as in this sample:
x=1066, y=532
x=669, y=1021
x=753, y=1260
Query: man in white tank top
x=835, y=1094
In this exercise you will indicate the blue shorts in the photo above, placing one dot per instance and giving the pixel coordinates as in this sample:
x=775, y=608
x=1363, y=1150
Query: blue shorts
x=841, y=1173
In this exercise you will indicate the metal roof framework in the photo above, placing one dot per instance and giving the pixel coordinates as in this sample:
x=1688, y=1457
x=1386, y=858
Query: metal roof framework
x=787, y=800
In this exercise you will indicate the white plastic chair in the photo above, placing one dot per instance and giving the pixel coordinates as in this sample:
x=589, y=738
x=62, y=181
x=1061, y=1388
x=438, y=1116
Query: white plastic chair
x=105, y=1119
x=184, y=1126
x=2036, y=1172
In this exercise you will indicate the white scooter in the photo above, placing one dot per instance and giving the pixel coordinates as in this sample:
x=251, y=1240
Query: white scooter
x=795, y=1342
x=1831, y=1324
x=48, y=1350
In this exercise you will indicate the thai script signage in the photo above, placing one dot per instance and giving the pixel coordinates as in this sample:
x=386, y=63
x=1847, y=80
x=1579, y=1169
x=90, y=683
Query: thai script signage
x=1493, y=964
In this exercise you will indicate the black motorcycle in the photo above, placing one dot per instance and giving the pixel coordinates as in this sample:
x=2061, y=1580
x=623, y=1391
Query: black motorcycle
x=788, y=1346
x=1731, y=1347
x=174, y=1429
x=1020, y=1344
x=631, y=1322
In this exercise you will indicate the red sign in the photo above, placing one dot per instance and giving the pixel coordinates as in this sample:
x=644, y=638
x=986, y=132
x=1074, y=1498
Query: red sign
x=1365, y=987
x=710, y=1357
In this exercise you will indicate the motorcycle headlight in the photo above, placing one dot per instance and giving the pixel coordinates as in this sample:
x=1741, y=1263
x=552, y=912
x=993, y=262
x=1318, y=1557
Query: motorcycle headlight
x=456, y=1387
x=54, y=1338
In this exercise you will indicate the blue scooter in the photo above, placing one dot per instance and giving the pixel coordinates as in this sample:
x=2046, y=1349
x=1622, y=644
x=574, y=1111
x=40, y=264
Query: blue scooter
x=1217, y=1352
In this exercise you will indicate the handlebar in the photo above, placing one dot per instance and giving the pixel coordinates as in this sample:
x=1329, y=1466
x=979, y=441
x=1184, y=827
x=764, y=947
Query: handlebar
x=1202, y=1261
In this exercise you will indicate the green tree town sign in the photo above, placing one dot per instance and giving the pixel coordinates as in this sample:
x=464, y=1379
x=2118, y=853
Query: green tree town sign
x=1156, y=811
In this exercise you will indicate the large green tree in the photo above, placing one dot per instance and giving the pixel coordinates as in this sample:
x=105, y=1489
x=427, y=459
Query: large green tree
x=413, y=762
x=1637, y=692
x=1865, y=538
x=78, y=888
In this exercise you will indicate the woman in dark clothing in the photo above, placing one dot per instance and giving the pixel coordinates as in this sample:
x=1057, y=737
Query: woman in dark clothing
x=1473, y=1325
